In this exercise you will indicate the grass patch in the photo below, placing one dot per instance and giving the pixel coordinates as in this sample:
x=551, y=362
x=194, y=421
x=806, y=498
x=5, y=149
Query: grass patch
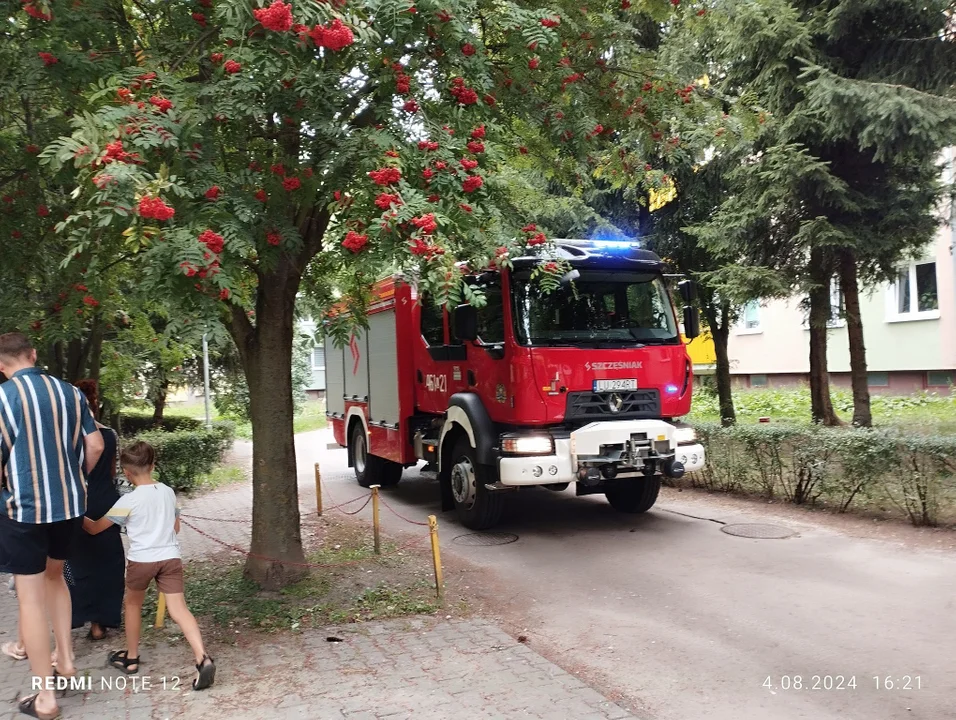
x=221, y=476
x=922, y=412
x=364, y=587
x=310, y=417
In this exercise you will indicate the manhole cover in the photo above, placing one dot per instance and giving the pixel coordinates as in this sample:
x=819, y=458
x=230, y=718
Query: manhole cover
x=485, y=539
x=758, y=531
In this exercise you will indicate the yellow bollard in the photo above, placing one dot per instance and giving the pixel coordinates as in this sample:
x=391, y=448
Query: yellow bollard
x=436, y=554
x=318, y=491
x=375, y=525
x=160, y=610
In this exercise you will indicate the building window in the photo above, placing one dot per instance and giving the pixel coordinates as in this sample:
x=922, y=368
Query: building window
x=939, y=378
x=836, y=308
x=758, y=381
x=878, y=379
x=318, y=358
x=836, y=305
x=749, y=322
x=913, y=295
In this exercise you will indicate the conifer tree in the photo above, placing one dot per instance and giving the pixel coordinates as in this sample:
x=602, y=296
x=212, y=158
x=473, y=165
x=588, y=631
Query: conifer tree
x=843, y=181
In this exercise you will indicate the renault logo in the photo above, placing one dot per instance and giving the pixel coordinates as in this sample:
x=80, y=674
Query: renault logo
x=615, y=403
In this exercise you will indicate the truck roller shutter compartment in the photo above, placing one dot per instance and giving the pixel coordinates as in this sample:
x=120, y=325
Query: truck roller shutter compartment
x=356, y=367
x=383, y=368
x=334, y=379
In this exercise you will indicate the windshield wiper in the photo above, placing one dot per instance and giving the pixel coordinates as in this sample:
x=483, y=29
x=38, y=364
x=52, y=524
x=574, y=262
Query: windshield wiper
x=659, y=341
x=549, y=342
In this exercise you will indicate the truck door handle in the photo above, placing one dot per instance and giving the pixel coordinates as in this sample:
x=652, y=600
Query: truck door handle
x=471, y=377
x=421, y=378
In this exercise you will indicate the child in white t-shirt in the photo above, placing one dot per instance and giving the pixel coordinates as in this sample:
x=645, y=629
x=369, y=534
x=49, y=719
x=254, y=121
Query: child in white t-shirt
x=151, y=519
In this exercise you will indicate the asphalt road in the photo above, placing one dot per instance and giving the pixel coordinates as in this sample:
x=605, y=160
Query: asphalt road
x=686, y=622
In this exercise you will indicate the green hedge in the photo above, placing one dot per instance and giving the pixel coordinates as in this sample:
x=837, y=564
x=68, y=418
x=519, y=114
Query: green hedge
x=132, y=425
x=182, y=456
x=839, y=467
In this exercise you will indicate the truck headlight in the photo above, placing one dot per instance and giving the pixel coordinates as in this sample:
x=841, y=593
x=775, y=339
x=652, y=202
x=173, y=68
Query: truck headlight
x=685, y=435
x=527, y=445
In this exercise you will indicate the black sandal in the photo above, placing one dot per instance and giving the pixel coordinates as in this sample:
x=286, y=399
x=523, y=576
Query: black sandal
x=28, y=706
x=121, y=661
x=207, y=673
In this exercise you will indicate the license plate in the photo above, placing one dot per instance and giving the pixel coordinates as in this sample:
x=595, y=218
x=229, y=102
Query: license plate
x=615, y=385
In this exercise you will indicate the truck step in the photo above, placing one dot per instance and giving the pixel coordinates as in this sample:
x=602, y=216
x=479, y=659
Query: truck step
x=498, y=487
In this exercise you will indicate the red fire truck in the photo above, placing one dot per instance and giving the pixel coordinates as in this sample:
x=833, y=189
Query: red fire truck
x=584, y=384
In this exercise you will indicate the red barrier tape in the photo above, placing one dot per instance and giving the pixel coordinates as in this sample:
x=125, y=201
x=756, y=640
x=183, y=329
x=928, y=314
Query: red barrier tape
x=401, y=517
x=368, y=499
x=257, y=556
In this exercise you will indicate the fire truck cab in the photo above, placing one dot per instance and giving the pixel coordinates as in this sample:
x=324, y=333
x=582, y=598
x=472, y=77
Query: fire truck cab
x=584, y=384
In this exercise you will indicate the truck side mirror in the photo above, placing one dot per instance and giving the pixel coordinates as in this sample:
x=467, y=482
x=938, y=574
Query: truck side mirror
x=691, y=322
x=688, y=291
x=466, y=323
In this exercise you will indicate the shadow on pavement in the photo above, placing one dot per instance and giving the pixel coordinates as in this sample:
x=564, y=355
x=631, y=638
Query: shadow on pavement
x=535, y=511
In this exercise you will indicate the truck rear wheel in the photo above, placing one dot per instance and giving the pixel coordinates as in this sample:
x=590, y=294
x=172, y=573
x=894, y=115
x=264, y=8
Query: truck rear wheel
x=637, y=496
x=478, y=507
x=371, y=469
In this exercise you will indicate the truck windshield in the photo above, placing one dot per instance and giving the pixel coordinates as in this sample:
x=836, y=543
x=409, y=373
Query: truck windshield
x=618, y=308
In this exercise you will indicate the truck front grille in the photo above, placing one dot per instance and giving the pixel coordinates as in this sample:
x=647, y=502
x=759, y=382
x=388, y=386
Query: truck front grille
x=594, y=406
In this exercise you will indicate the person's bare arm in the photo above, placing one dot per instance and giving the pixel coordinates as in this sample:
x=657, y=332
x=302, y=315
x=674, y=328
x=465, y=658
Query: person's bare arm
x=93, y=445
x=95, y=527
x=176, y=526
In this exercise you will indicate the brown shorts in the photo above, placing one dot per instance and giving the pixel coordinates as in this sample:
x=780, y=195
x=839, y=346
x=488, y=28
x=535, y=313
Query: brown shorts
x=168, y=574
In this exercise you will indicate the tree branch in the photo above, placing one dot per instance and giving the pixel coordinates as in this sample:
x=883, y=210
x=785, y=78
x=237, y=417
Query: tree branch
x=313, y=236
x=14, y=176
x=149, y=18
x=364, y=119
x=242, y=331
x=192, y=48
x=356, y=100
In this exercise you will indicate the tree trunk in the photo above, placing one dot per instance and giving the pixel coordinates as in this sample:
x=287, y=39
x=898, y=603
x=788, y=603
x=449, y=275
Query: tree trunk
x=56, y=364
x=159, y=401
x=95, y=351
x=720, y=332
x=75, y=360
x=266, y=351
x=862, y=417
x=821, y=406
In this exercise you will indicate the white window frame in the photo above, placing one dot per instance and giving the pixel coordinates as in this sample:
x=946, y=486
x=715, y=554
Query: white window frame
x=892, y=297
x=836, y=309
x=312, y=357
x=741, y=328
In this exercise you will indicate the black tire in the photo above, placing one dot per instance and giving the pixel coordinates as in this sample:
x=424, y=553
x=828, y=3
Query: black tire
x=478, y=507
x=638, y=496
x=371, y=469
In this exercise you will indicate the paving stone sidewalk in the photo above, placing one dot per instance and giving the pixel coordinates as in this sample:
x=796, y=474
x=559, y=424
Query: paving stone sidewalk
x=424, y=667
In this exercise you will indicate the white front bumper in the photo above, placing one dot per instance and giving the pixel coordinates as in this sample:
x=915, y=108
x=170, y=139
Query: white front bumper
x=692, y=456
x=562, y=466
x=521, y=470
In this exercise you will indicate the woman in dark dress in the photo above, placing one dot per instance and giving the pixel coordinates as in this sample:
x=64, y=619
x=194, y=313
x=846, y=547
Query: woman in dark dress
x=96, y=570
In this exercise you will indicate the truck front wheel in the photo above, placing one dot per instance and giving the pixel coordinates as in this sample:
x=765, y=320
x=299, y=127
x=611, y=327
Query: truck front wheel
x=478, y=507
x=371, y=469
x=637, y=496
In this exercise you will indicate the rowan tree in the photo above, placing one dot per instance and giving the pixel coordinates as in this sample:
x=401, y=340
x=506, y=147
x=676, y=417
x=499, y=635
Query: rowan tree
x=244, y=147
